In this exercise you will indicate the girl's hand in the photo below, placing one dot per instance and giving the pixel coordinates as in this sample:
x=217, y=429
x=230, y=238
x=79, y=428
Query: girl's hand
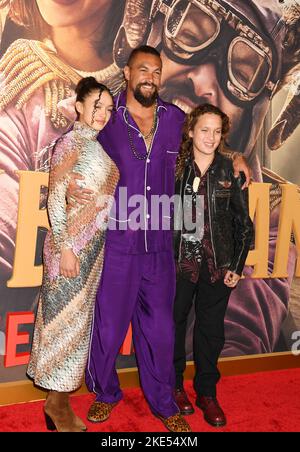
x=231, y=279
x=69, y=264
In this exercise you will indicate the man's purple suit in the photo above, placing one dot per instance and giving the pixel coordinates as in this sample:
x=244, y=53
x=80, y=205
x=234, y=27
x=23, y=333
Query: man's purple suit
x=138, y=278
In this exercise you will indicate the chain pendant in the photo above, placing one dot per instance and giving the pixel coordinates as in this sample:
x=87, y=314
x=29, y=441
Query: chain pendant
x=152, y=131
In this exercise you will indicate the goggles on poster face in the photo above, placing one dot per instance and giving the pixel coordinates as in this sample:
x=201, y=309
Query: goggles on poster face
x=192, y=26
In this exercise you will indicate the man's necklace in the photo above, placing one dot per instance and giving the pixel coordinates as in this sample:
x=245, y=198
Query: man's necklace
x=146, y=137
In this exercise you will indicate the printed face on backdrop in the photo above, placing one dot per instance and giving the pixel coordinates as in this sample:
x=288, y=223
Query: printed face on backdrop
x=189, y=86
x=63, y=13
x=206, y=59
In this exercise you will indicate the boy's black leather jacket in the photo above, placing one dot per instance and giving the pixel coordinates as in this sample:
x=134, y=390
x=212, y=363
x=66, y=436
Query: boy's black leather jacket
x=230, y=225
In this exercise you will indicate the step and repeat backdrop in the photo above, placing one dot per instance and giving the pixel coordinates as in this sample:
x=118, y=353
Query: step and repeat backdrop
x=242, y=56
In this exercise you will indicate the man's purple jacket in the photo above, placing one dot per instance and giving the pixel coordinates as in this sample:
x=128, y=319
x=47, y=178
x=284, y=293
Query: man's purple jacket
x=142, y=178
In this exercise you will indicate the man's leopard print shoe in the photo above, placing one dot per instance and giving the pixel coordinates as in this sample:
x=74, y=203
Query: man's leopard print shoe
x=100, y=411
x=176, y=423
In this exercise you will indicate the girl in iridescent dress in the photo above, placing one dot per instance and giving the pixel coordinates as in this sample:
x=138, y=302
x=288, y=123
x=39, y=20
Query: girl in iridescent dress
x=73, y=257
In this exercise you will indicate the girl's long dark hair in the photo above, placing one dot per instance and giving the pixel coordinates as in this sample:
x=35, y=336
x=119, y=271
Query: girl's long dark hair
x=186, y=148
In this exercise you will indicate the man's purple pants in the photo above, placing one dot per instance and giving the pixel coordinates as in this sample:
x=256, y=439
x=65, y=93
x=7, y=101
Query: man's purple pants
x=139, y=288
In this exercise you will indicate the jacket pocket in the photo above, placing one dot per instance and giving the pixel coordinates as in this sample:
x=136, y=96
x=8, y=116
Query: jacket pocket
x=222, y=198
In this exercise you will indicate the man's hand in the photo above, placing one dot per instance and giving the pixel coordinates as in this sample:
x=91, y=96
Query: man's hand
x=76, y=193
x=240, y=165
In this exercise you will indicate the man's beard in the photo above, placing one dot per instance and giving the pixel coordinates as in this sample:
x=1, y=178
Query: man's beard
x=146, y=101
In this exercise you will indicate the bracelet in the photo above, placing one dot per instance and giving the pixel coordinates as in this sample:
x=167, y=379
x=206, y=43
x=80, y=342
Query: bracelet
x=236, y=154
x=68, y=247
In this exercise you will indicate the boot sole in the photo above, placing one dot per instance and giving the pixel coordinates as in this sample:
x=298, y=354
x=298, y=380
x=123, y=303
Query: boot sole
x=187, y=412
x=215, y=424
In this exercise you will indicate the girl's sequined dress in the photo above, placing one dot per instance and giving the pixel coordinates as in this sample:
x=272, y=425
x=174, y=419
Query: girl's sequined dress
x=65, y=312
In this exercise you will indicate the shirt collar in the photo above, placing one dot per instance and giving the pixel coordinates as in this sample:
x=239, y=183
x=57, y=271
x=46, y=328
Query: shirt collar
x=190, y=162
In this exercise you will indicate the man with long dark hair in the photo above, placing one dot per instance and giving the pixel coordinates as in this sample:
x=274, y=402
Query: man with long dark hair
x=138, y=279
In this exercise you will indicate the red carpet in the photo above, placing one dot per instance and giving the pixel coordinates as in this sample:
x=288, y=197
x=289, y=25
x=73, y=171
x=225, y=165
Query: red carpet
x=261, y=402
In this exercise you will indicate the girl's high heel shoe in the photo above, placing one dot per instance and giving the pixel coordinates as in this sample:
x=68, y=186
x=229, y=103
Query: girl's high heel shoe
x=49, y=423
x=59, y=414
